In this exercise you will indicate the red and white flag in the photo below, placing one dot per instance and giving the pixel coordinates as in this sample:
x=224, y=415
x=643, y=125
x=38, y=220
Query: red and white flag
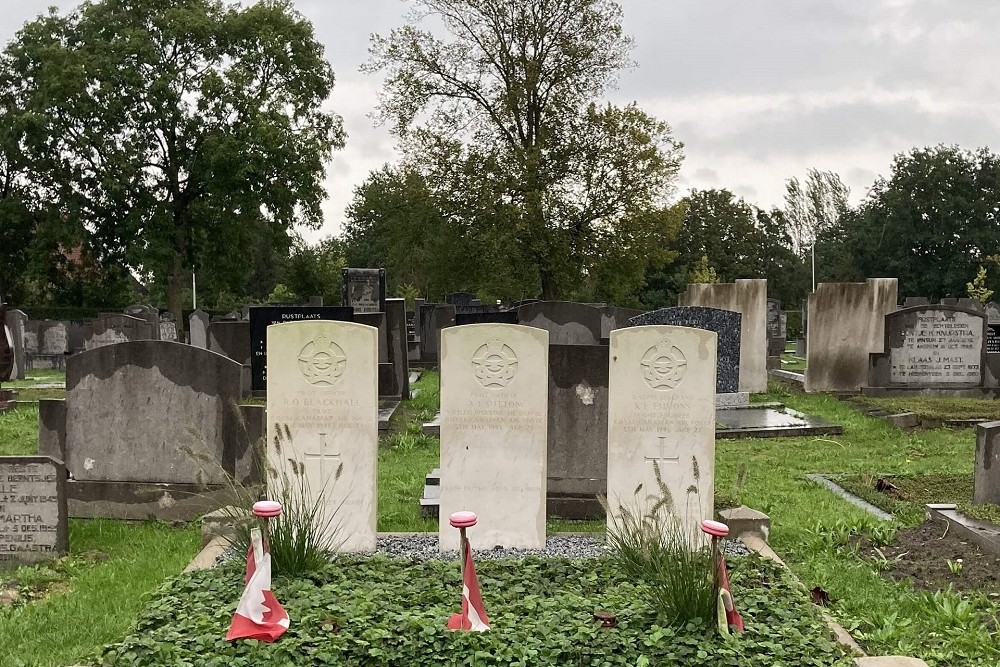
x=473, y=616
x=258, y=614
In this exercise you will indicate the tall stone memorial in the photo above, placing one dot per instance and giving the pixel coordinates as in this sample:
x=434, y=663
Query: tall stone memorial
x=32, y=510
x=322, y=422
x=661, y=422
x=494, y=395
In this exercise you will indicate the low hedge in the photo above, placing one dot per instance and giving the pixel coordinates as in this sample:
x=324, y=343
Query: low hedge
x=381, y=611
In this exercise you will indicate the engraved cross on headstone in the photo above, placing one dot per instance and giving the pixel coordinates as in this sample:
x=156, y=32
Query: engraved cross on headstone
x=663, y=452
x=321, y=466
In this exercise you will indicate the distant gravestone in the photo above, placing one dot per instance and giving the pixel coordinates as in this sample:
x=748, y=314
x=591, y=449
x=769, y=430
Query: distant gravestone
x=726, y=323
x=911, y=301
x=168, y=327
x=33, y=525
x=460, y=298
x=110, y=328
x=986, y=482
x=775, y=328
x=198, y=323
x=661, y=422
x=364, y=290
x=993, y=328
x=487, y=317
x=322, y=423
x=261, y=317
x=230, y=338
x=568, y=323
x=494, y=393
x=15, y=323
x=931, y=347
x=146, y=312
x=395, y=328
x=433, y=318
x=613, y=317
x=53, y=337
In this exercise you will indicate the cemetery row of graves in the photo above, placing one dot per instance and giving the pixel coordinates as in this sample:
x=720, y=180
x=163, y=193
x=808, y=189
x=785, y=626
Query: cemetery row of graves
x=554, y=422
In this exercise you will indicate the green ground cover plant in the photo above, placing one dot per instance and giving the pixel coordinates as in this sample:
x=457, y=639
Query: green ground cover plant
x=913, y=492
x=381, y=611
x=19, y=431
x=940, y=409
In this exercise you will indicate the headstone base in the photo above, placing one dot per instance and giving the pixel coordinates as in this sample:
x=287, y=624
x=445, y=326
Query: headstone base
x=736, y=399
x=139, y=501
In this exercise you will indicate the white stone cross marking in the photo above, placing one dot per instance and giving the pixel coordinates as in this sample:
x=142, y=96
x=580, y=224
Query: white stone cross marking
x=663, y=454
x=319, y=473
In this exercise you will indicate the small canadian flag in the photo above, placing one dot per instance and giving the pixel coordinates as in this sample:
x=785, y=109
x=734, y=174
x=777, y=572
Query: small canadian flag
x=473, y=616
x=258, y=614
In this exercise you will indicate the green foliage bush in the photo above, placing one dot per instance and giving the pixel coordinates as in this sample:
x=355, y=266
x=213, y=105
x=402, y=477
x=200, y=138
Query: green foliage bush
x=793, y=324
x=381, y=611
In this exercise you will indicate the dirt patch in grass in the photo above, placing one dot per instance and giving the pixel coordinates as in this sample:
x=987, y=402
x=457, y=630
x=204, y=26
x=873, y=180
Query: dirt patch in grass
x=933, y=557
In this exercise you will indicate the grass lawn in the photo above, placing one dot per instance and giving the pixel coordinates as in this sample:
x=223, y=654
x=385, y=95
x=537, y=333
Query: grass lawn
x=915, y=492
x=28, y=389
x=19, y=431
x=940, y=409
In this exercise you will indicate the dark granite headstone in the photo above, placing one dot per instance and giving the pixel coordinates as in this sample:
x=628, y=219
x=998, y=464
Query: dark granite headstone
x=725, y=323
x=775, y=330
x=460, y=298
x=433, y=318
x=613, y=317
x=230, y=338
x=33, y=515
x=261, y=317
x=568, y=323
x=993, y=328
x=928, y=347
x=487, y=317
x=395, y=327
x=363, y=290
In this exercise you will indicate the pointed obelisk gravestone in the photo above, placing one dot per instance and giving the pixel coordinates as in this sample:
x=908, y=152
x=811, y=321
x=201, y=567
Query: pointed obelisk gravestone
x=661, y=418
x=494, y=402
x=322, y=422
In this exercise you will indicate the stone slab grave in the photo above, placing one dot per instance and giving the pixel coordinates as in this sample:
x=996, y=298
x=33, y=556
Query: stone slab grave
x=151, y=428
x=322, y=423
x=930, y=349
x=568, y=323
x=33, y=517
x=846, y=324
x=493, y=433
x=262, y=317
x=661, y=423
x=770, y=420
x=363, y=290
x=749, y=299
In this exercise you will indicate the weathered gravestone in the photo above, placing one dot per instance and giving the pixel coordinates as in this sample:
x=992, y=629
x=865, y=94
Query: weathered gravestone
x=151, y=428
x=395, y=329
x=46, y=344
x=262, y=317
x=846, y=324
x=775, y=329
x=433, y=318
x=725, y=323
x=322, y=424
x=6, y=347
x=986, y=481
x=568, y=323
x=577, y=430
x=168, y=327
x=486, y=317
x=613, y=317
x=460, y=298
x=15, y=323
x=231, y=338
x=493, y=433
x=993, y=328
x=931, y=347
x=198, y=323
x=146, y=312
x=749, y=299
x=112, y=328
x=364, y=290
x=661, y=423
x=32, y=510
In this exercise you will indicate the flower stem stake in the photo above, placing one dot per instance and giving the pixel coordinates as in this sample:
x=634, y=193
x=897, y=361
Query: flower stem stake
x=265, y=510
x=473, y=616
x=728, y=616
x=463, y=520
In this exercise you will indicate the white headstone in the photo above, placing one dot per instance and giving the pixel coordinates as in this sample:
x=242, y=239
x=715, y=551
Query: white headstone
x=494, y=405
x=322, y=390
x=661, y=415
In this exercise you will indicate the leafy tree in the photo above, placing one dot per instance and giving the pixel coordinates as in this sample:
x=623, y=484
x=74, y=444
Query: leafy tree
x=515, y=86
x=977, y=288
x=813, y=207
x=315, y=270
x=178, y=132
x=931, y=224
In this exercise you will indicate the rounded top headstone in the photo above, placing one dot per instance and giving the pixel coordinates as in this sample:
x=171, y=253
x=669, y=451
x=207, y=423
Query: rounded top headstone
x=267, y=508
x=714, y=528
x=463, y=519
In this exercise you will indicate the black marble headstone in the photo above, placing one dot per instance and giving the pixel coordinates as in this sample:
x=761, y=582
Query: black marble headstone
x=725, y=323
x=460, y=298
x=261, y=317
x=486, y=317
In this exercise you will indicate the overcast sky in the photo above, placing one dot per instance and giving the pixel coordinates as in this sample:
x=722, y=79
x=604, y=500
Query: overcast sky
x=758, y=91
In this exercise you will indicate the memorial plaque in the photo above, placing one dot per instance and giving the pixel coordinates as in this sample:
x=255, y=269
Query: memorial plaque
x=993, y=338
x=661, y=422
x=322, y=423
x=935, y=345
x=261, y=317
x=364, y=290
x=32, y=509
x=494, y=400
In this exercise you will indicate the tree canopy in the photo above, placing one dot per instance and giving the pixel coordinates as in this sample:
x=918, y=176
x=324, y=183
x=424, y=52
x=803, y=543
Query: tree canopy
x=177, y=133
